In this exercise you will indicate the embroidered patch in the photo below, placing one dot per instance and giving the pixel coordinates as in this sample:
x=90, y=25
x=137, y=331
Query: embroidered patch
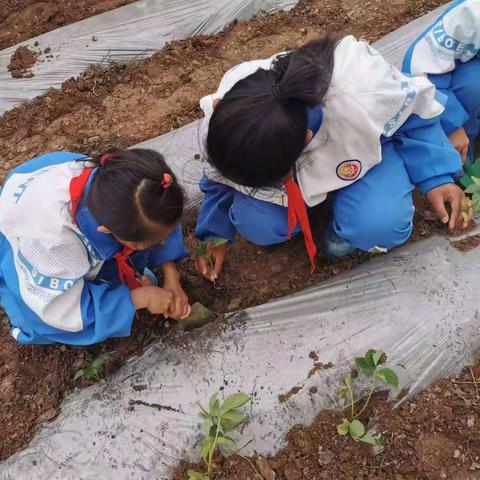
x=349, y=170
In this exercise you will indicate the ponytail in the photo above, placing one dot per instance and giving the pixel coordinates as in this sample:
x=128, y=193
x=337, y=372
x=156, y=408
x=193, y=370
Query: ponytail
x=258, y=130
x=132, y=190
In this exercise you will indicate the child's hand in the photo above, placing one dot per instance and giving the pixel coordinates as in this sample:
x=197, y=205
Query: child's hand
x=460, y=141
x=155, y=299
x=203, y=265
x=179, y=308
x=452, y=194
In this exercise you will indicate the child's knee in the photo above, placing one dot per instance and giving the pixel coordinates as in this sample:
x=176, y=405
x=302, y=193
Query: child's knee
x=383, y=226
x=259, y=222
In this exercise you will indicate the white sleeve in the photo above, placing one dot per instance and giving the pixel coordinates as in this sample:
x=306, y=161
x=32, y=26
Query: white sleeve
x=454, y=37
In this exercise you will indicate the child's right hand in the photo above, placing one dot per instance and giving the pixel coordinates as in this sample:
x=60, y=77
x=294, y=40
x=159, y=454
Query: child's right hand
x=155, y=299
x=203, y=265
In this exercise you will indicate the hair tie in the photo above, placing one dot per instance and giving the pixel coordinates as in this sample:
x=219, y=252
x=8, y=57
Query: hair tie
x=104, y=158
x=167, y=181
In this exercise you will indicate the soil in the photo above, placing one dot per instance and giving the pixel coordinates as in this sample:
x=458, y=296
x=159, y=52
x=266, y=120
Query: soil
x=434, y=436
x=125, y=104
x=24, y=19
x=22, y=60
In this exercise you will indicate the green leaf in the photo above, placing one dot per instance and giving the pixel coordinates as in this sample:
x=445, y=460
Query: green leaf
x=342, y=428
x=214, y=405
x=98, y=362
x=367, y=438
x=231, y=419
x=212, y=432
x=388, y=376
x=356, y=429
x=473, y=188
x=206, y=448
x=202, y=249
x=466, y=181
x=348, y=380
x=376, y=356
x=365, y=365
x=193, y=475
x=80, y=373
x=203, y=412
x=342, y=391
x=235, y=401
x=216, y=242
x=475, y=180
x=225, y=442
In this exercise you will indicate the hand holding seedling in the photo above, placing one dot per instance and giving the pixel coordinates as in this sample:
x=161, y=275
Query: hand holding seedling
x=451, y=194
x=211, y=255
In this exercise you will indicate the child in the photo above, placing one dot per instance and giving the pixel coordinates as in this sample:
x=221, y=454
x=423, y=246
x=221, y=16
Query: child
x=76, y=232
x=333, y=116
x=448, y=51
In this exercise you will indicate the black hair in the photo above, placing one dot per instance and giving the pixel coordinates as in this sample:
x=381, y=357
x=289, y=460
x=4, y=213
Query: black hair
x=257, y=131
x=127, y=195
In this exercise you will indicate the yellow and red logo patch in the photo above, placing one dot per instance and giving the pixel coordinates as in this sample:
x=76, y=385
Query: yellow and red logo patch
x=349, y=170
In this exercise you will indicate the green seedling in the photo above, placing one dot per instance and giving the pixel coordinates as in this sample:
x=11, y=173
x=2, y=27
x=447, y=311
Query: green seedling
x=219, y=420
x=203, y=250
x=369, y=366
x=91, y=371
x=471, y=181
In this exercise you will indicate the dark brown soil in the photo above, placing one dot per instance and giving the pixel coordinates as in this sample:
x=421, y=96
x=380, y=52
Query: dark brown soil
x=24, y=19
x=126, y=104
x=434, y=436
x=22, y=60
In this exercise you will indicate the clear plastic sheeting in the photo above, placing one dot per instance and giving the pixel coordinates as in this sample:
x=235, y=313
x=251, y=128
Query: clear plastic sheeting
x=420, y=304
x=131, y=32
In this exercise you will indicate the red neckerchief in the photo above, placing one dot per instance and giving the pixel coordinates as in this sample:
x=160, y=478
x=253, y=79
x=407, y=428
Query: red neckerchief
x=297, y=213
x=126, y=272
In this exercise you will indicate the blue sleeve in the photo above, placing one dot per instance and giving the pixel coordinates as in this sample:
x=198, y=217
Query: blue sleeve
x=214, y=219
x=429, y=157
x=173, y=250
x=454, y=115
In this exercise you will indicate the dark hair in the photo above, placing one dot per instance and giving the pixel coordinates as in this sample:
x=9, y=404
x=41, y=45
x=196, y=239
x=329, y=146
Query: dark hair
x=127, y=194
x=257, y=131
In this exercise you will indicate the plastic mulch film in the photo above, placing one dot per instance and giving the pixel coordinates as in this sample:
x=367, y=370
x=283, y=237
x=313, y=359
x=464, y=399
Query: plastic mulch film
x=131, y=32
x=419, y=303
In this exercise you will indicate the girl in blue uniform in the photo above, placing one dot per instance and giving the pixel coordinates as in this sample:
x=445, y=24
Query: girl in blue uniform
x=331, y=117
x=78, y=239
x=448, y=52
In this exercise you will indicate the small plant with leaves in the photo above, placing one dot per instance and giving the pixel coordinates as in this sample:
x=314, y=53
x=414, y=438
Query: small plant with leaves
x=219, y=420
x=203, y=249
x=369, y=366
x=91, y=371
x=471, y=181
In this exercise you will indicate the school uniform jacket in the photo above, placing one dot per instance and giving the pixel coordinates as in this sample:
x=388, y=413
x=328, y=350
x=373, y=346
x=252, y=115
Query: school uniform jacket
x=453, y=38
x=58, y=279
x=368, y=102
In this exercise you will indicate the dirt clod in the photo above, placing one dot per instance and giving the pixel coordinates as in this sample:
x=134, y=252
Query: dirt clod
x=22, y=60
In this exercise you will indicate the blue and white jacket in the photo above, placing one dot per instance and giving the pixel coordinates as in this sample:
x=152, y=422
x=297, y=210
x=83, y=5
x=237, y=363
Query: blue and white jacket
x=453, y=38
x=58, y=279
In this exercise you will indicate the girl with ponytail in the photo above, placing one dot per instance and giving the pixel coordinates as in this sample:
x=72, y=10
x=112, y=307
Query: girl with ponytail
x=330, y=117
x=78, y=237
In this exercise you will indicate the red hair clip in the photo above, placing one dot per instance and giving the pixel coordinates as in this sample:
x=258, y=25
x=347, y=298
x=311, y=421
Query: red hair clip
x=104, y=159
x=167, y=181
